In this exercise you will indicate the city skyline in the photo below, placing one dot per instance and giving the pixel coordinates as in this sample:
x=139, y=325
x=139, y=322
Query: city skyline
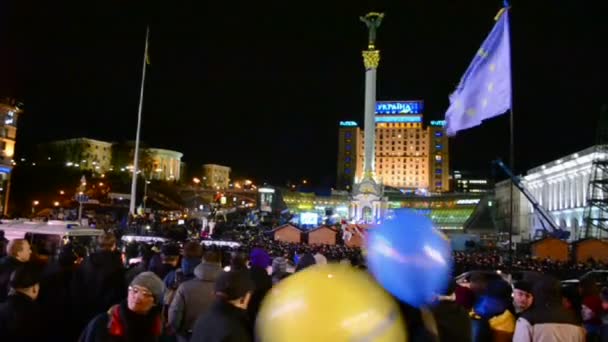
x=262, y=88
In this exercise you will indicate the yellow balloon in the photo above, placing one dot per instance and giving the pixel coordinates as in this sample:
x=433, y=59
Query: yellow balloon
x=329, y=303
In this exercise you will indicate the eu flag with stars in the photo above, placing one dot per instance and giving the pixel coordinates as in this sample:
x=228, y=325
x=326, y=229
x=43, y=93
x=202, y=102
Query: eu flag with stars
x=485, y=88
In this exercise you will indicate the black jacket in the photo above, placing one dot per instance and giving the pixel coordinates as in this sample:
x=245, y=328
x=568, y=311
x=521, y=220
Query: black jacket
x=453, y=322
x=96, y=285
x=22, y=320
x=262, y=283
x=8, y=264
x=54, y=300
x=223, y=323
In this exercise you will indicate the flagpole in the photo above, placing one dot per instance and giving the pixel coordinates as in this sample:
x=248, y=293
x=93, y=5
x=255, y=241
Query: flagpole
x=137, y=134
x=511, y=147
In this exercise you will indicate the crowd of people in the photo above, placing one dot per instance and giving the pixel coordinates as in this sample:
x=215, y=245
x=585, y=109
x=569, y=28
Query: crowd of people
x=191, y=292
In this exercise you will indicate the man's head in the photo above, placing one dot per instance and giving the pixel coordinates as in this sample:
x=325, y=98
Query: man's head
x=169, y=254
x=234, y=287
x=522, y=295
x=192, y=250
x=106, y=242
x=26, y=280
x=145, y=292
x=19, y=249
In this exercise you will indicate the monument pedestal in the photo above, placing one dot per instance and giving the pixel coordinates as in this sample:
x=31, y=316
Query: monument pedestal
x=368, y=205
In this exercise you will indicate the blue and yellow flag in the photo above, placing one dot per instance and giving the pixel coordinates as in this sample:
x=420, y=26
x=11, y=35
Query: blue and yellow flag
x=485, y=88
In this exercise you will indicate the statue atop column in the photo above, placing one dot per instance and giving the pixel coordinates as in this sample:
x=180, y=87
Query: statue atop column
x=372, y=20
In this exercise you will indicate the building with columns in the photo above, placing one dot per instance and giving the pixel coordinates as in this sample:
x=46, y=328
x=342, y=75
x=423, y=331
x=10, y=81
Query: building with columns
x=216, y=176
x=559, y=186
x=166, y=164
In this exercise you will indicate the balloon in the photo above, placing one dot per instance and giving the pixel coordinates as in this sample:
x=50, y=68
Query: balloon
x=329, y=302
x=410, y=258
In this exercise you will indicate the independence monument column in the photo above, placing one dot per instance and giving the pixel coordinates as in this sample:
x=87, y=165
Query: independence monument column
x=367, y=202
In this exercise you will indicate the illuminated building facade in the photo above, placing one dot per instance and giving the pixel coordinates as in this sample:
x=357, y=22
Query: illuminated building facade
x=407, y=154
x=9, y=112
x=216, y=176
x=98, y=156
x=165, y=163
x=559, y=186
x=83, y=153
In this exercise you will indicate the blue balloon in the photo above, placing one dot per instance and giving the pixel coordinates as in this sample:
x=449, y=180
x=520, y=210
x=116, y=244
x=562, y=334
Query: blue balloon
x=410, y=258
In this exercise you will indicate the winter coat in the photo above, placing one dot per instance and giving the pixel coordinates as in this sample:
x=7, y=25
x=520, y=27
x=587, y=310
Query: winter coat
x=547, y=320
x=187, y=268
x=193, y=298
x=117, y=324
x=452, y=320
x=21, y=319
x=98, y=284
x=262, y=283
x=223, y=323
x=8, y=264
x=55, y=301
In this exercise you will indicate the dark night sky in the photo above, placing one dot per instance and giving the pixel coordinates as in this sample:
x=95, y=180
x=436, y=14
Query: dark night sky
x=261, y=85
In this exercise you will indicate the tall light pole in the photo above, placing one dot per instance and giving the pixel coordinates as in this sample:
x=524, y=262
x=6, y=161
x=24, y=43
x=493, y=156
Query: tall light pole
x=136, y=153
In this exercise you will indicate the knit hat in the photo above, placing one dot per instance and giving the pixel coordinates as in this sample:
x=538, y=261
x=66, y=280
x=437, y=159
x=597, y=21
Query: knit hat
x=24, y=277
x=259, y=258
x=279, y=264
x=233, y=284
x=523, y=285
x=152, y=282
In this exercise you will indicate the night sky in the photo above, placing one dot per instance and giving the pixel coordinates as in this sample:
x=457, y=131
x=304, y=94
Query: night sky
x=261, y=85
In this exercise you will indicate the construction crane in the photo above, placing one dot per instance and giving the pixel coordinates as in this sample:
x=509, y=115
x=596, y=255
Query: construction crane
x=595, y=216
x=549, y=227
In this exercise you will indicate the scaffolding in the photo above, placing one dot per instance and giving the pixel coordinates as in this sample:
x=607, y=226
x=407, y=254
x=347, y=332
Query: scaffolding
x=595, y=216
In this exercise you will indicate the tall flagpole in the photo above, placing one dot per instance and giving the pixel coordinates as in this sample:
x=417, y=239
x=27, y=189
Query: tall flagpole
x=511, y=144
x=136, y=153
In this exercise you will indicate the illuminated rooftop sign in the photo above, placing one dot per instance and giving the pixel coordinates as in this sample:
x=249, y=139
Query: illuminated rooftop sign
x=439, y=123
x=399, y=118
x=399, y=107
x=348, y=124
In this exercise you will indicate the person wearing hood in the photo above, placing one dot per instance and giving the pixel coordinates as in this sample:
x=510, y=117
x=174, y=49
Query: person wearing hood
x=194, y=297
x=138, y=318
x=492, y=316
x=305, y=261
x=259, y=260
x=99, y=283
x=547, y=320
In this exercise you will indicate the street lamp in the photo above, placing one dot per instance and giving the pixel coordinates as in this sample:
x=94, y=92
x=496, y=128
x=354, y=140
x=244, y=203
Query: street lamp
x=196, y=180
x=56, y=204
x=145, y=193
x=34, y=204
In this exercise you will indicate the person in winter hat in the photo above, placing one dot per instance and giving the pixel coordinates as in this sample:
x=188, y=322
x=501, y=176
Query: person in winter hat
x=522, y=296
x=21, y=318
x=136, y=319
